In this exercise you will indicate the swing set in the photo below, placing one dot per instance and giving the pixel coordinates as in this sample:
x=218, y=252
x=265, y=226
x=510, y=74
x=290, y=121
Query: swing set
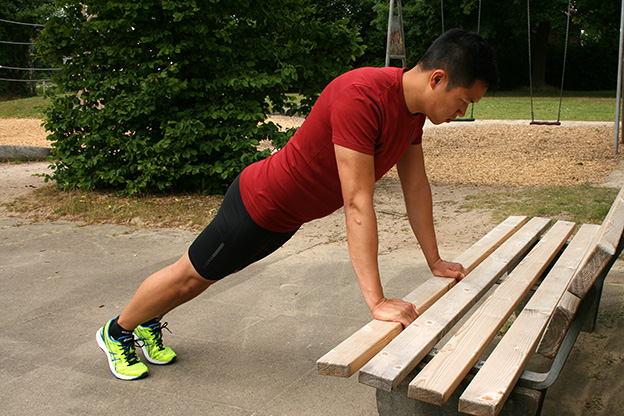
x=395, y=30
x=565, y=54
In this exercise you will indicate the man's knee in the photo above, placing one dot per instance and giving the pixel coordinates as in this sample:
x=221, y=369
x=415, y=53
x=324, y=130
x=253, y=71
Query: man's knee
x=190, y=281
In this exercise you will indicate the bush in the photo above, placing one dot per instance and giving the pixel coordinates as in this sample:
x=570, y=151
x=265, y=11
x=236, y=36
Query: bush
x=159, y=95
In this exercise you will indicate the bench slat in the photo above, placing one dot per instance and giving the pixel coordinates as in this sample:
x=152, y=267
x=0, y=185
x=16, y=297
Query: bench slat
x=480, y=250
x=350, y=355
x=489, y=389
x=389, y=367
x=558, y=325
x=443, y=374
x=603, y=249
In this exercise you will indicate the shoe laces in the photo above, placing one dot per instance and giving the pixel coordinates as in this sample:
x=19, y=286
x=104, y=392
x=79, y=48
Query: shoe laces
x=156, y=330
x=127, y=349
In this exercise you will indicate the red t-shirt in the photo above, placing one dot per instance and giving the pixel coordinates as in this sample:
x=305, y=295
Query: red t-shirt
x=363, y=110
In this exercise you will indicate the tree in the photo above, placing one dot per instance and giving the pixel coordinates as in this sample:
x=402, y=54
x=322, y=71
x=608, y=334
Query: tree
x=161, y=94
x=593, y=57
x=17, y=53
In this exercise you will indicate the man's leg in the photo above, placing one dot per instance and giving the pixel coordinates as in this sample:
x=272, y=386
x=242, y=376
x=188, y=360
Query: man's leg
x=162, y=292
x=229, y=243
x=158, y=294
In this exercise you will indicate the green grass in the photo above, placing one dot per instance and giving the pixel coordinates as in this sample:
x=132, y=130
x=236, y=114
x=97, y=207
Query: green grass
x=579, y=204
x=586, y=107
x=512, y=105
x=31, y=107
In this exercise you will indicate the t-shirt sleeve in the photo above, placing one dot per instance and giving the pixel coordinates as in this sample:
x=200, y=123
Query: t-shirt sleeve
x=418, y=137
x=355, y=120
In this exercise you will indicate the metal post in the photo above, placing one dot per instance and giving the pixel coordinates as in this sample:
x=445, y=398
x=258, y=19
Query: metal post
x=390, y=16
x=395, y=44
x=618, y=93
x=402, y=29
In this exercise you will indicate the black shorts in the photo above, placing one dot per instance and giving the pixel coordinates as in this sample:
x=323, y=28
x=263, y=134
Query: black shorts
x=232, y=241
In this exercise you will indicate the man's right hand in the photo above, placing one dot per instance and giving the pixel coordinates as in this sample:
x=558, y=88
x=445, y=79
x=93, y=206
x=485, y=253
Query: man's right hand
x=395, y=310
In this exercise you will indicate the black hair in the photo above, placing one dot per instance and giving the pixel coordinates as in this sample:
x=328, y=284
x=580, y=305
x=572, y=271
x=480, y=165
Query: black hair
x=465, y=56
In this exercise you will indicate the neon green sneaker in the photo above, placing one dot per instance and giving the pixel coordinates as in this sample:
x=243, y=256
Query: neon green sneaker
x=121, y=354
x=149, y=338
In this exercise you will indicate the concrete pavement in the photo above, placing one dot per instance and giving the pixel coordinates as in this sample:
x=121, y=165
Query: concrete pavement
x=247, y=346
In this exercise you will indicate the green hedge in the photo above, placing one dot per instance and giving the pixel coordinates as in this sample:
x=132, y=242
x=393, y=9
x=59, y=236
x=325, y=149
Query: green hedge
x=171, y=95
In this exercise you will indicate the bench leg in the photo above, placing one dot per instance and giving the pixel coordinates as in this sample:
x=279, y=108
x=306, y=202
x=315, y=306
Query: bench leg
x=521, y=402
x=590, y=322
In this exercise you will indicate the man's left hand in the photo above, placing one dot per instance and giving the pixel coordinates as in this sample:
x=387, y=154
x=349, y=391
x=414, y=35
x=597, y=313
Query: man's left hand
x=443, y=268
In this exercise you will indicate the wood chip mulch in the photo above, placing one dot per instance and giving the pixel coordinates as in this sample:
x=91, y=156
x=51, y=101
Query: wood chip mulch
x=505, y=153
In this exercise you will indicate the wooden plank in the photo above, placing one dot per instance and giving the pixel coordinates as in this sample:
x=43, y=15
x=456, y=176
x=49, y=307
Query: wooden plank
x=558, y=325
x=478, y=252
x=389, y=367
x=489, y=389
x=603, y=251
x=350, y=355
x=443, y=374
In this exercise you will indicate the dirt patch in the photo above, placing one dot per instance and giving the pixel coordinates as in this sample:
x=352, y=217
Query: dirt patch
x=461, y=158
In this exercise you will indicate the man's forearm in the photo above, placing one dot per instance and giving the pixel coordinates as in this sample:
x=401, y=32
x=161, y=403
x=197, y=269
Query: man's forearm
x=363, y=246
x=419, y=206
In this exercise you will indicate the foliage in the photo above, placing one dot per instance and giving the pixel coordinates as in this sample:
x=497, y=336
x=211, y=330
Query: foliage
x=594, y=31
x=597, y=44
x=363, y=16
x=18, y=54
x=160, y=94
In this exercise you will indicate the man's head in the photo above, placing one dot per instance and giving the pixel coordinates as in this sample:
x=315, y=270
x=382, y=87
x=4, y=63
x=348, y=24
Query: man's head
x=466, y=57
x=456, y=70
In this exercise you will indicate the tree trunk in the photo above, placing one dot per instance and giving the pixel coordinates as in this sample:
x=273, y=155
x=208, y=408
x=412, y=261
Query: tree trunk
x=540, y=52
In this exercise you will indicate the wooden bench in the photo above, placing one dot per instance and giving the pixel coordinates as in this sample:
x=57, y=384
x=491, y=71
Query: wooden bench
x=558, y=278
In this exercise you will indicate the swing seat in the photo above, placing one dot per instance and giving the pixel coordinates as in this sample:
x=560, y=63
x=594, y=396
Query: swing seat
x=546, y=123
x=464, y=119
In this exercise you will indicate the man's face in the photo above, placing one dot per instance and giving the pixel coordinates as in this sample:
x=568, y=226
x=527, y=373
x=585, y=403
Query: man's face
x=450, y=104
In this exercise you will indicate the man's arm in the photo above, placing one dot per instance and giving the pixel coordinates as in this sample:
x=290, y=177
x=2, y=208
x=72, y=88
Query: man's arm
x=357, y=180
x=419, y=204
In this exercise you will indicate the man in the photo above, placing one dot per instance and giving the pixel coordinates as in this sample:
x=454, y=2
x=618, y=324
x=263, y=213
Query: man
x=365, y=122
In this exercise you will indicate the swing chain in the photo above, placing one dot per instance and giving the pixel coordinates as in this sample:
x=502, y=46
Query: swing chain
x=530, y=64
x=565, y=56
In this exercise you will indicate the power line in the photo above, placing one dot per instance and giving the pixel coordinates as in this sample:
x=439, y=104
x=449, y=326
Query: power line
x=20, y=23
x=25, y=80
x=16, y=43
x=29, y=69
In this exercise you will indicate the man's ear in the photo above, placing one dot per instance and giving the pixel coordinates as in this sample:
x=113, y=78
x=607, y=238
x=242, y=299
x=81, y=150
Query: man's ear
x=437, y=77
